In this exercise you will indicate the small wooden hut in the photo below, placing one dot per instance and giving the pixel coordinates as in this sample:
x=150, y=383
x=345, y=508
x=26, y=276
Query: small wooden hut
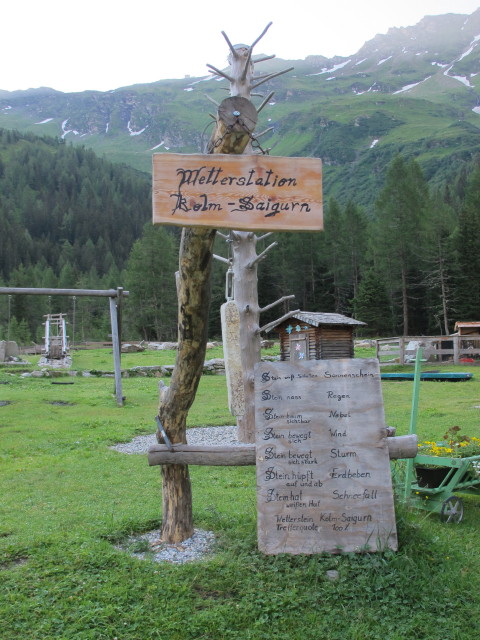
x=316, y=336
x=467, y=329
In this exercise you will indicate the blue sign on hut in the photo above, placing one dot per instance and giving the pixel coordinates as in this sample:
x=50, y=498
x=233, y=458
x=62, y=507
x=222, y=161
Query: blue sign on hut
x=316, y=336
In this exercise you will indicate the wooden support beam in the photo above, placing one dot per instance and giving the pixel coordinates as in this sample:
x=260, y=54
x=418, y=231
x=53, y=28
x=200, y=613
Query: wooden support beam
x=105, y=293
x=244, y=455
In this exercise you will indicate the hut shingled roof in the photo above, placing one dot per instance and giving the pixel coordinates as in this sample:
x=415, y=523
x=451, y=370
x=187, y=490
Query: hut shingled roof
x=317, y=319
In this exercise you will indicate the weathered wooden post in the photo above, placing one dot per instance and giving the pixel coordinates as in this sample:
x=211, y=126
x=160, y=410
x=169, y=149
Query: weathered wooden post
x=234, y=133
x=193, y=288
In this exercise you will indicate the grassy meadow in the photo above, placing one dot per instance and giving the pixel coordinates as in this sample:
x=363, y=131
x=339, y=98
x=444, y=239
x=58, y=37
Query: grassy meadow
x=67, y=499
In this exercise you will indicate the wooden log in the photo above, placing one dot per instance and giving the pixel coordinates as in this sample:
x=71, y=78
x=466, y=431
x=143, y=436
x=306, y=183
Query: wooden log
x=244, y=455
x=202, y=455
x=193, y=290
x=402, y=446
x=105, y=293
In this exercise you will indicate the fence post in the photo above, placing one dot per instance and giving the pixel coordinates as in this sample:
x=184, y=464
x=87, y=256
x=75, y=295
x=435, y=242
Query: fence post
x=456, y=349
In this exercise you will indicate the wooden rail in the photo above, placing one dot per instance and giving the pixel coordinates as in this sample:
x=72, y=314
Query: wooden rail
x=30, y=291
x=244, y=455
x=436, y=349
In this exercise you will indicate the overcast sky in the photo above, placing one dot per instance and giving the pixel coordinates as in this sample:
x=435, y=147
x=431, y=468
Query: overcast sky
x=103, y=45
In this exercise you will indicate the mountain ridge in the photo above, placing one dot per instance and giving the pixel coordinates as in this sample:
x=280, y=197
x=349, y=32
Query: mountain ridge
x=413, y=90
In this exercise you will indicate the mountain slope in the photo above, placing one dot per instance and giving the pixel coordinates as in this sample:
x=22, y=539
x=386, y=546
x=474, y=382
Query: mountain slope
x=414, y=90
x=62, y=205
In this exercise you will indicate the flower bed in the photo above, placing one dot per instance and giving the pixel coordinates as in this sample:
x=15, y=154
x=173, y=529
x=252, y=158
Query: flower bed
x=437, y=462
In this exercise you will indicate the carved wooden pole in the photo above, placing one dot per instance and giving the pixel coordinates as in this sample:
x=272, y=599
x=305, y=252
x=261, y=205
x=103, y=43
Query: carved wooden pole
x=235, y=123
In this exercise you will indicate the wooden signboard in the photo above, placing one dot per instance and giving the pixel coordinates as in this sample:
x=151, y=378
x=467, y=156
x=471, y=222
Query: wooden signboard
x=323, y=471
x=230, y=318
x=238, y=192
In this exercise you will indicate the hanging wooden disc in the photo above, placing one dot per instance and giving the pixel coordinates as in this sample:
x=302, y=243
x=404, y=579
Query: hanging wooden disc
x=236, y=120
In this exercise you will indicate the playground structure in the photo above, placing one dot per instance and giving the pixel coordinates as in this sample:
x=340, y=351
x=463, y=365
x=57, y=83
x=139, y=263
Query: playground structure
x=56, y=339
x=115, y=297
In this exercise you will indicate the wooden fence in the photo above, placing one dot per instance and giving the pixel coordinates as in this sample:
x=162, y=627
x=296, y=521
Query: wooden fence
x=436, y=349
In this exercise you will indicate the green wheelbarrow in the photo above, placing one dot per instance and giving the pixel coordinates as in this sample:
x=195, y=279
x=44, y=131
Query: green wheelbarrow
x=431, y=482
x=434, y=481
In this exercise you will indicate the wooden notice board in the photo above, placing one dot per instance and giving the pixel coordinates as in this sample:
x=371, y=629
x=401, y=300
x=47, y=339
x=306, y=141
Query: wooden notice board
x=238, y=192
x=232, y=352
x=323, y=467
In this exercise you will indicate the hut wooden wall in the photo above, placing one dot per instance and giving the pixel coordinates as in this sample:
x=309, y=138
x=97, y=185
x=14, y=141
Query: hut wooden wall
x=336, y=342
x=324, y=342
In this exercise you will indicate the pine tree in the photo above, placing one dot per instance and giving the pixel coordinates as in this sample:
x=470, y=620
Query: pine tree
x=150, y=279
x=372, y=305
x=400, y=211
x=468, y=254
x=337, y=258
x=355, y=232
x=439, y=264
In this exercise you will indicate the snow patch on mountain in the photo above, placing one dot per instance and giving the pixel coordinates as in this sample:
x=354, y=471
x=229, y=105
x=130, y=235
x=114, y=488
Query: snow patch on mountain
x=66, y=131
x=44, y=121
x=464, y=80
x=374, y=88
x=471, y=48
x=332, y=69
x=407, y=87
x=204, y=79
x=135, y=133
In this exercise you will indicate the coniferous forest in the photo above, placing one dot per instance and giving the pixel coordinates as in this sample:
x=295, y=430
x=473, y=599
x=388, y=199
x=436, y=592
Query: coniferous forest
x=68, y=219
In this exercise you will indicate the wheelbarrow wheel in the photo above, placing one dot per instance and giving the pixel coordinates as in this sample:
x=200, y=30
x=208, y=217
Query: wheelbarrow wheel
x=452, y=510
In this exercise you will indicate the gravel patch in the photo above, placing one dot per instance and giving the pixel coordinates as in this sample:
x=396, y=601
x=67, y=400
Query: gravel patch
x=198, y=435
x=149, y=546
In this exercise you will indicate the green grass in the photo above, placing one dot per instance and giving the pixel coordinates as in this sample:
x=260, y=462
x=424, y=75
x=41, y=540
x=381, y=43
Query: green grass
x=67, y=497
x=102, y=359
